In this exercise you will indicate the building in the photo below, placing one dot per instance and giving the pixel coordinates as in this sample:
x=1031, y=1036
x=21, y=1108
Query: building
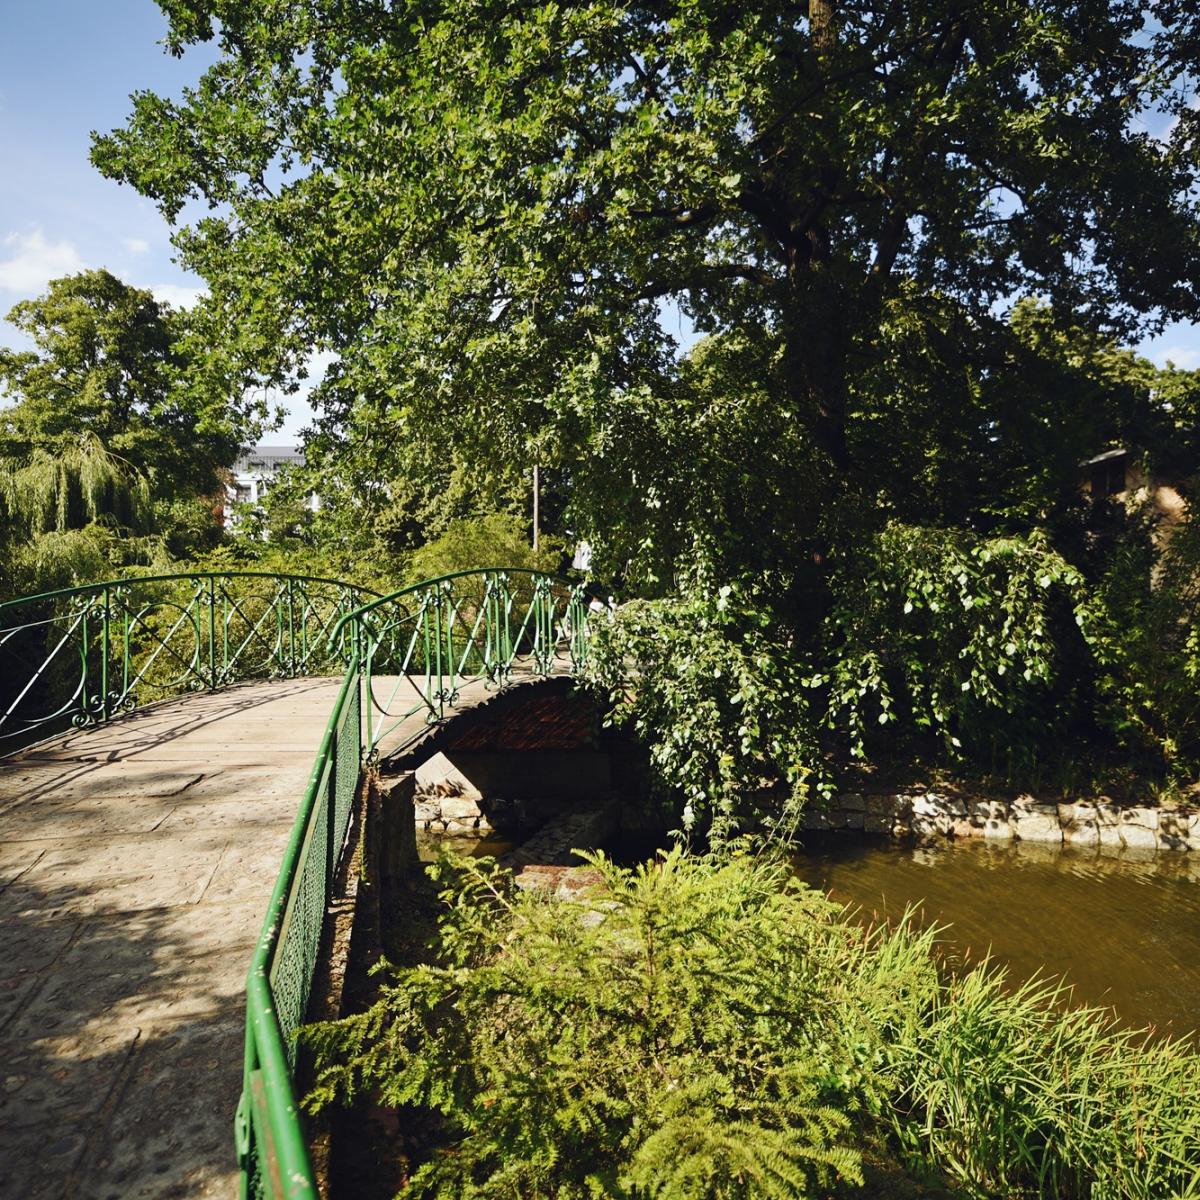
x=253, y=473
x=1119, y=476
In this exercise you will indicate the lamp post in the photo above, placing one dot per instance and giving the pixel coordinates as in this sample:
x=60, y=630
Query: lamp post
x=535, y=506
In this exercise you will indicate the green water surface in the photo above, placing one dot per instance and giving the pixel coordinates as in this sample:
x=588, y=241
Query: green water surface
x=1123, y=929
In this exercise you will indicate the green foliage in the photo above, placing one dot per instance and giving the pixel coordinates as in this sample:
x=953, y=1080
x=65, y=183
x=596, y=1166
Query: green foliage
x=948, y=633
x=72, y=516
x=78, y=484
x=113, y=363
x=930, y=634
x=112, y=451
x=713, y=1028
x=719, y=697
x=779, y=177
x=666, y=1038
x=492, y=540
x=1146, y=616
x=1010, y=1092
x=840, y=199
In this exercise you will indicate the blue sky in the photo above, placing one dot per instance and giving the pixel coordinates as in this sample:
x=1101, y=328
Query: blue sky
x=67, y=67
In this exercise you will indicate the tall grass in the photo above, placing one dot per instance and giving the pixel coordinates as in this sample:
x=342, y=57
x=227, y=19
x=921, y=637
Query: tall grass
x=1010, y=1092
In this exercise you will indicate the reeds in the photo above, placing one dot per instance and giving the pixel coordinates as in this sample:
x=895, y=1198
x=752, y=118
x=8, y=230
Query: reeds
x=1008, y=1091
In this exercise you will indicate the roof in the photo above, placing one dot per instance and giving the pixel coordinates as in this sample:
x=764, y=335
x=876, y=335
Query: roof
x=1106, y=456
x=268, y=456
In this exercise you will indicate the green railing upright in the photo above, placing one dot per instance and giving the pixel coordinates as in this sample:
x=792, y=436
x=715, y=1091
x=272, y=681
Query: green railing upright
x=413, y=654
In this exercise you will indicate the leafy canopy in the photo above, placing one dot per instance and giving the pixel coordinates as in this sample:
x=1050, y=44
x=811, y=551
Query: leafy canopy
x=479, y=207
x=116, y=434
x=114, y=364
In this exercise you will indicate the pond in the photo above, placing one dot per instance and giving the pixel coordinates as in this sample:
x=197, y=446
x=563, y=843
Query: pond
x=1123, y=930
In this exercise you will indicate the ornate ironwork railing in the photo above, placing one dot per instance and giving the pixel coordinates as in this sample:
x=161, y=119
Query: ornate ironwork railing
x=426, y=647
x=414, y=654
x=80, y=656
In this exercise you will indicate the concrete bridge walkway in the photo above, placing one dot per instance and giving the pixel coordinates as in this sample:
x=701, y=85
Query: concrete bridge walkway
x=136, y=860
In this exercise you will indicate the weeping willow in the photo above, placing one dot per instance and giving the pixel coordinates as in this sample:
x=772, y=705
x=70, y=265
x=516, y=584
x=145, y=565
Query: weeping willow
x=77, y=485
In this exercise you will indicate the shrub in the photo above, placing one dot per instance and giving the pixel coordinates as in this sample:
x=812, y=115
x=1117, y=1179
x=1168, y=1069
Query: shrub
x=496, y=539
x=717, y=696
x=705, y=1029
x=672, y=1037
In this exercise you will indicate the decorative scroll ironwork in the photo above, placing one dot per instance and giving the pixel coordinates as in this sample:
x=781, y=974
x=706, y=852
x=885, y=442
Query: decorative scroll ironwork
x=81, y=656
x=414, y=653
x=421, y=648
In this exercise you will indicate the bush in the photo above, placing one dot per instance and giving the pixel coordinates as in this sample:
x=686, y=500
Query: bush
x=719, y=699
x=494, y=540
x=930, y=641
x=706, y=1029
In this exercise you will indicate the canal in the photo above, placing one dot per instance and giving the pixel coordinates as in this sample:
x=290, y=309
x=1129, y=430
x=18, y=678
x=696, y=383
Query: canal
x=1123, y=930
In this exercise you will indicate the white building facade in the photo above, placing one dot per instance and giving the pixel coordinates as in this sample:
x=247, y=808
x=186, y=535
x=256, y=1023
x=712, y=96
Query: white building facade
x=253, y=474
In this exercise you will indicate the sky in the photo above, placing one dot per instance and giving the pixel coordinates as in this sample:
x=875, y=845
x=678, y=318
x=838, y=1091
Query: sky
x=67, y=67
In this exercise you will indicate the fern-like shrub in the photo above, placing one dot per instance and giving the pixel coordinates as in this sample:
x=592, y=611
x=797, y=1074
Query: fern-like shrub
x=681, y=1032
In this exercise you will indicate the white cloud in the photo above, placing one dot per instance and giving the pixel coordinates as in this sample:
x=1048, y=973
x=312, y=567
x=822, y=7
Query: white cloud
x=31, y=261
x=137, y=245
x=1187, y=358
x=177, y=295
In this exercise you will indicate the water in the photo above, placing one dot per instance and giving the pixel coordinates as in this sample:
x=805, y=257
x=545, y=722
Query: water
x=1123, y=930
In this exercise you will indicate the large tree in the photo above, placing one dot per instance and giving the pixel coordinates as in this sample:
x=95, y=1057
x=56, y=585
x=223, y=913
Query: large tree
x=489, y=213
x=480, y=206
x=113, y=363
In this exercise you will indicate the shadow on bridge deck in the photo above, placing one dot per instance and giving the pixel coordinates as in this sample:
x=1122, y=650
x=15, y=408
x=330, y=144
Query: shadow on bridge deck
x=136, y=860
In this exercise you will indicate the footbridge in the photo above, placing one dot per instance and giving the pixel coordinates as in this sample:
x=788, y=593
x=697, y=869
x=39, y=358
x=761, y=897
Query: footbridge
x=183, y=765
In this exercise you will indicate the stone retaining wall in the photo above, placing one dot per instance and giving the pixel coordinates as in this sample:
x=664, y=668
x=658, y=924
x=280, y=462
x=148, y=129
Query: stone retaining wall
x=927, y=815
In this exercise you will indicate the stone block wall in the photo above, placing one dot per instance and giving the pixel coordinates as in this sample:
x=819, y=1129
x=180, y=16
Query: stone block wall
x=929, y=814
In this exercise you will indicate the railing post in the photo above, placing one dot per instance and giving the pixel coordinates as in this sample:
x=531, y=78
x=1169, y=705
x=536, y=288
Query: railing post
x=85, y=637
x=436, y=666
x=212, y=633
x=365, y=654
x=104, y=636
x=291, y=618
x=226, y=663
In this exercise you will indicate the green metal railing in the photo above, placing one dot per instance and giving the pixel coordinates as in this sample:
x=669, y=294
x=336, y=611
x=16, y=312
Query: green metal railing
x=80, y=656
x=269, y=1137
x=423, y=647
x=414, y=654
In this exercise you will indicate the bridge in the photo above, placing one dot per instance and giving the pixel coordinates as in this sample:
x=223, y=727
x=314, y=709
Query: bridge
x=185, y=759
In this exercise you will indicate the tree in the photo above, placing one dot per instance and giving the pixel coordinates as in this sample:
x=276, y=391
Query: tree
x=119, y=429
x=116, y=364
x=479, y=207
x=482, y=208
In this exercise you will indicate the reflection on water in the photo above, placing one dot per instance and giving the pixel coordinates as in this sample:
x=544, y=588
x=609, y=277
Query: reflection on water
x=1123, y=929
x=486, y=844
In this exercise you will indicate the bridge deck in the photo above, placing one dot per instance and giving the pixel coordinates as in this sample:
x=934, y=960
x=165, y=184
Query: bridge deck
x=136, y=860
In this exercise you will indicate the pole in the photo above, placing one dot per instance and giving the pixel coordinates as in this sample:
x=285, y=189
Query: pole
x=535, y=506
